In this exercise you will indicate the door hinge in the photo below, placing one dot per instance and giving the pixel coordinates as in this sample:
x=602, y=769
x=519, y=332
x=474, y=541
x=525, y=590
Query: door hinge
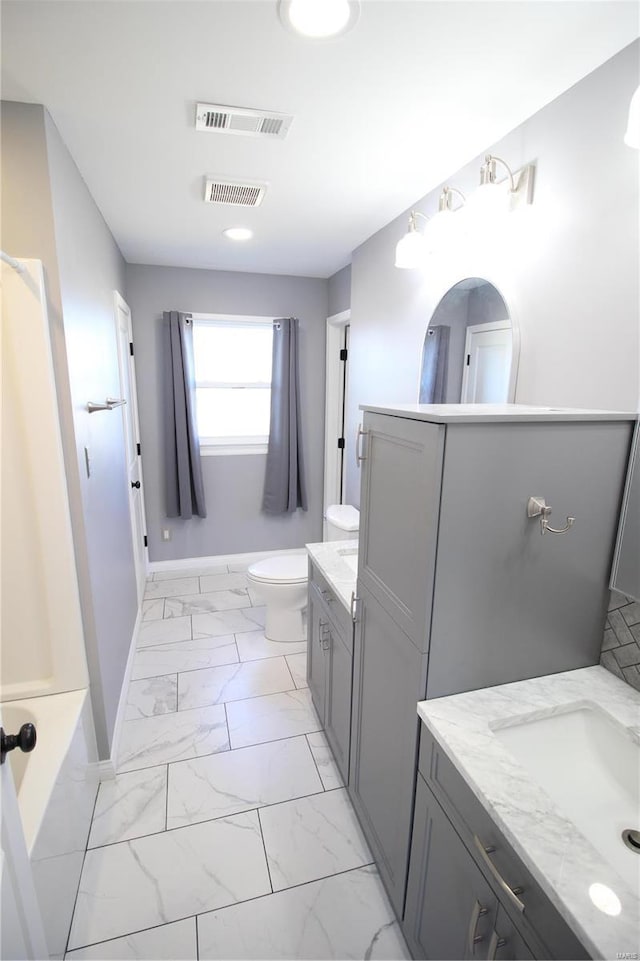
x=146, y=541
x=138, y=449
x=131, y=348
x=340, y=443
x=468, y=359
x=343, y=353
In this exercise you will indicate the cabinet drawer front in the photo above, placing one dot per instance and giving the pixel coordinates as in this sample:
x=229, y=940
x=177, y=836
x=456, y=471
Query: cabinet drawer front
x=333, y=606
x=473, y=822
x=400, y=503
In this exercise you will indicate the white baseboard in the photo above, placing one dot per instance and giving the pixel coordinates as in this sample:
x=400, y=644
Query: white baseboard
x=188, y=563
x=110, y=765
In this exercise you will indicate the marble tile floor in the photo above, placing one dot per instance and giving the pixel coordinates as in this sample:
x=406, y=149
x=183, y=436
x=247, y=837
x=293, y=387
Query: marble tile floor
x=227, y=832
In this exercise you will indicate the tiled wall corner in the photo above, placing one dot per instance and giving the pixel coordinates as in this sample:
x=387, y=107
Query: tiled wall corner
x=621, y=641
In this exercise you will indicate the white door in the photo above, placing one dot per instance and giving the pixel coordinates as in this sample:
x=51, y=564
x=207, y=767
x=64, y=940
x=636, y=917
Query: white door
x=335, y=399
x=132, y=439
x=487, y=363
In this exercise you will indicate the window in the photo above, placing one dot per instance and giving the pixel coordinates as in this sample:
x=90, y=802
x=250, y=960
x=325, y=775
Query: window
x=233, y=382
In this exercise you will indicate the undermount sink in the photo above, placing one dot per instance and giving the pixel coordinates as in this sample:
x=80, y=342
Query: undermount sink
x=350, y=557
x=590, y=767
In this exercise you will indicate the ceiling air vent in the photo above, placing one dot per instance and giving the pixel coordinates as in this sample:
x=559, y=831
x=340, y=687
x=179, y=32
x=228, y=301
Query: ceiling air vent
x=238, y=120
x=218, y=190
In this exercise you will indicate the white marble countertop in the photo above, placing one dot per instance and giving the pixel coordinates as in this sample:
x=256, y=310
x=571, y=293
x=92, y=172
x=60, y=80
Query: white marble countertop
x=562, y=860
x=495, y=413
x=330, y=561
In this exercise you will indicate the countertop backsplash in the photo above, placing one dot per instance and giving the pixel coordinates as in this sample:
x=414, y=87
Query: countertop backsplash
x=621, y=641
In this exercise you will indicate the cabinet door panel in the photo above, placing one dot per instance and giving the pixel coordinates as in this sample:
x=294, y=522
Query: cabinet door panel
x=506, y=943
x=451, y=910
x=400, y=501
x=509, y=603
x=388, y=680
x=316, y=661
x=338, y=702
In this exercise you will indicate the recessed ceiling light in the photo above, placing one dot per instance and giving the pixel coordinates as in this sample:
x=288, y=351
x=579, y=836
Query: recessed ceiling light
x=238, y=233
x=319, y=19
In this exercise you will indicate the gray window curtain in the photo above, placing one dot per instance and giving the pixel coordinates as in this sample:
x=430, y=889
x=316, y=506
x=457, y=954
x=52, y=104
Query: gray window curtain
x=284, y=483
x=184, y=488
x=435, y=362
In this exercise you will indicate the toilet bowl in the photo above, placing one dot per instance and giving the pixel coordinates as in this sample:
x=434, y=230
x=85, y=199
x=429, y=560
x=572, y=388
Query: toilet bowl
x=282, y=584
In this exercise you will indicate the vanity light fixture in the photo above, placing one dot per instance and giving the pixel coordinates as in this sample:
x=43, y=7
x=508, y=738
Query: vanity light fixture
x=489, y=195
x=412, y=248
x=440, y=225
x=238, y=233
x=319, y=19
x=632, y=135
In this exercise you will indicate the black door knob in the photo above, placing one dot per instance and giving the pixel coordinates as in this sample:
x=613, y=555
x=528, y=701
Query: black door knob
x=25, y=739
x=136, y=484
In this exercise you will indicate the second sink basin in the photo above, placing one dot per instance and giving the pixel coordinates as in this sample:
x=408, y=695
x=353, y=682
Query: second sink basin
x=590, y=766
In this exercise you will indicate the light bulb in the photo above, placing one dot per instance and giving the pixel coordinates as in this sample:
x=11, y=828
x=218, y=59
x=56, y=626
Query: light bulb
x=319, y=18
x=632, y=135
x=411, y=250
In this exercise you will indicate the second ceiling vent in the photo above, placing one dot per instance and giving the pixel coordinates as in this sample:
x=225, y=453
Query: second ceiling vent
x=220, y=190
x=216, y=118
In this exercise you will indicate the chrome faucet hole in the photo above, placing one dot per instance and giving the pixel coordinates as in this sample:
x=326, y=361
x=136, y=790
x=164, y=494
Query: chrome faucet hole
x=632, y=839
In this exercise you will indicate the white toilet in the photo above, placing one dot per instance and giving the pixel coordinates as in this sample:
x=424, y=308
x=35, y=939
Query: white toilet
x=282, y=583
x=282, y=580
x=343, y=522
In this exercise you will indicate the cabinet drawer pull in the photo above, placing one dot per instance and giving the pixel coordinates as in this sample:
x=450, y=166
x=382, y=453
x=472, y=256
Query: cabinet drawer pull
x=511, y=893
x=495, y=943
x=477, y=912
x=361, y=433
x=328, y=596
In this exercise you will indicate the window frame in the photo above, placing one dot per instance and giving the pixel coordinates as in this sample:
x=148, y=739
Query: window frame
x=216, y=446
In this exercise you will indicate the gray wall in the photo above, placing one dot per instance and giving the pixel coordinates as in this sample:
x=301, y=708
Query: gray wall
x=340, y=291
x=567, y=268
x=91, y=268
x=48, y=214
x=233, y=484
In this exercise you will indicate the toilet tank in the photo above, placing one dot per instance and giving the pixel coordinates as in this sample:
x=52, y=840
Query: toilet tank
x=343, y=522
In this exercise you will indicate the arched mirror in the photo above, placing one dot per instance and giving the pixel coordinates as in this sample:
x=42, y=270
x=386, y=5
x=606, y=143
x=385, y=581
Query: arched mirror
x=469, y=347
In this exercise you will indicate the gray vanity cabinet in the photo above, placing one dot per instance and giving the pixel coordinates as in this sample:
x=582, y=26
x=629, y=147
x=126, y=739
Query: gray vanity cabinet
x=451, y=910
x=330, y=666
x=316, y=660
x=389, y=678
x=466, y=882
x=458, y=589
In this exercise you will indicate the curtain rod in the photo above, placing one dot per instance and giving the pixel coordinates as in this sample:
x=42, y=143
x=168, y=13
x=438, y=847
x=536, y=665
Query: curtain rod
x=12, y=262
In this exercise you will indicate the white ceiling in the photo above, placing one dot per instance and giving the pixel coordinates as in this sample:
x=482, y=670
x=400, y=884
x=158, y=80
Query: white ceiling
x=382, y=115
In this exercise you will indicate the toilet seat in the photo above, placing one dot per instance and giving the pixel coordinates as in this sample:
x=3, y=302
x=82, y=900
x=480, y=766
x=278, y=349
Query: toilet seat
x=287, y=569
